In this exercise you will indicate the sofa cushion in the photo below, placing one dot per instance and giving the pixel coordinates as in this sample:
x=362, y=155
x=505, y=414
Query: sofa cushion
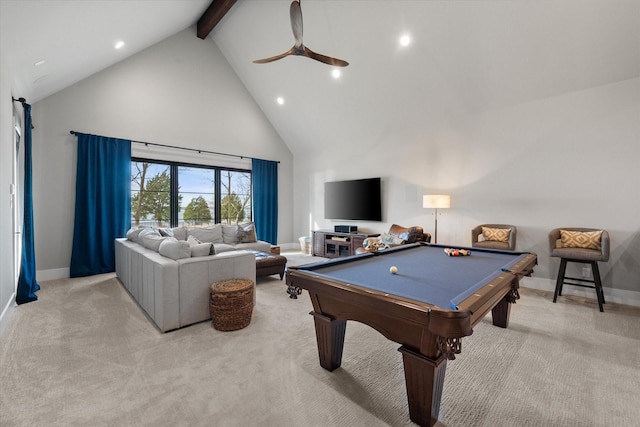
x=133, y=234
x=258, y=245
x=229, y=234
x=223, y=247
x=496, y=234
x=180, y=233
x=246, y=233
x=199, y=248
x=581, y=239
x=174, y=248
x=148, y=231
x=152, y=241
x=207, y=234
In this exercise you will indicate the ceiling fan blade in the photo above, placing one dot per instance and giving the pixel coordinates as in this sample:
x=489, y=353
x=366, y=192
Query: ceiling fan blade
x=299, y=49
x=295, y=12
x=324, y=58
x=291, y=51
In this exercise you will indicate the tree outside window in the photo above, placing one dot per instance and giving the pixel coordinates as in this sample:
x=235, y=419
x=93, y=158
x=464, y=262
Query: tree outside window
x=151, y=194
x=212, y=195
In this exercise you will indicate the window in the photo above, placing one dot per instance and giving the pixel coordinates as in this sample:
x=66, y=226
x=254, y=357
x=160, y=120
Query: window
x=166, y=194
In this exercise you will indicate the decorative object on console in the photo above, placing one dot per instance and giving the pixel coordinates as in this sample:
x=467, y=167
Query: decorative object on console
x=436, y=201
x=345, y=228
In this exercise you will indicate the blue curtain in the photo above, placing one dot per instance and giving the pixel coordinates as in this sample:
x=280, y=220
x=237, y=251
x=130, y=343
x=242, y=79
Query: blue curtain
x=103, y=203
x=265, y=199
x=27, y=285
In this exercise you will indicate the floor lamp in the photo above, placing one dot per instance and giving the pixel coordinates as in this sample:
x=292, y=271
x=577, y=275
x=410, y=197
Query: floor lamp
x=436, y=201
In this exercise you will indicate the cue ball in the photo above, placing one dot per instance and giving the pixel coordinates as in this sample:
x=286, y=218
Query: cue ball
x=393, y=269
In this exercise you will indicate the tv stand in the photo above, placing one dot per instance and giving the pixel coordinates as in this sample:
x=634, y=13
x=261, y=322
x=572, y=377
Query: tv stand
x=329, y=244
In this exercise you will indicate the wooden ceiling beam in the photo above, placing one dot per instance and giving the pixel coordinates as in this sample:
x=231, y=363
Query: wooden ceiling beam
x=214, y=14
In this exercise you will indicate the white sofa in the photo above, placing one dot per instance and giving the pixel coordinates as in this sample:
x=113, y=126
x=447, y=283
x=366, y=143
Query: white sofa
x=174, y=291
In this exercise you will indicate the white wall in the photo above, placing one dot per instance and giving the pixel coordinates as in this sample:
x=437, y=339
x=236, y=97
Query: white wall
x=570, y=160
x=179, y=92
x=7, y=282
x=9, y=88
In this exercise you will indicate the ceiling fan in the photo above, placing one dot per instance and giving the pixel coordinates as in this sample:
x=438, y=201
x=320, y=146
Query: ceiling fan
x=298, y=48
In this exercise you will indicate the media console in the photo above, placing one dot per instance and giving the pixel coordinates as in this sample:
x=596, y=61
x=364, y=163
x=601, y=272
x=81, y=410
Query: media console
x=330, y=244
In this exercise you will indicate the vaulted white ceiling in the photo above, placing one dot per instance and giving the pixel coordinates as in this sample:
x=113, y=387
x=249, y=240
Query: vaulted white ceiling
x=465, y=57
x=76, y=38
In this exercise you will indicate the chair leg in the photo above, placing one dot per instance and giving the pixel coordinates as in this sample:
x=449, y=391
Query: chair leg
x=598, y=283
x=560, y=279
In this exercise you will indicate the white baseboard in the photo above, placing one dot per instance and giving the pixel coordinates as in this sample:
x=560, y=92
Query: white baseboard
x=289, y=246
x=7, y=311
x=53, y=274
x=619, y=296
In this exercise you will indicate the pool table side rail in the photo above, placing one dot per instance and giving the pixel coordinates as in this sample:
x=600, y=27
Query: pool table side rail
x=484, y=299
x=441, y=322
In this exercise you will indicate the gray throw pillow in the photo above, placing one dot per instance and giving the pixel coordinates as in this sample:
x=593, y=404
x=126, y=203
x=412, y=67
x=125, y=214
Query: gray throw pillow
x=199, y=248
x=152, y=241
x=133, y=234
x=174, y=248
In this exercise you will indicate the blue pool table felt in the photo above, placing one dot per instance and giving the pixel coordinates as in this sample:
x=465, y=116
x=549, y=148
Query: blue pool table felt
x=425, y=273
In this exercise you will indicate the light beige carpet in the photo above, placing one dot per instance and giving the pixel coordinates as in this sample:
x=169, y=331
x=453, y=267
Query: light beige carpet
x=85, y=354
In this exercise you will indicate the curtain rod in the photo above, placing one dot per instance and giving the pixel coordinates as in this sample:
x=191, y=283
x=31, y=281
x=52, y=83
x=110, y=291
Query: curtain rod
x=22, y=101
x=73, y=132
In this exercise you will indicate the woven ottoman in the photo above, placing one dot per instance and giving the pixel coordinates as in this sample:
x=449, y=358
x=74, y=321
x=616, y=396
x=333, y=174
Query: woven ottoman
x=231, y=304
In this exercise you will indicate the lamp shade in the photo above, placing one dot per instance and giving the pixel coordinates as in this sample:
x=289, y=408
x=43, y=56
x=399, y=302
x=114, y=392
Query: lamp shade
x=438, y=201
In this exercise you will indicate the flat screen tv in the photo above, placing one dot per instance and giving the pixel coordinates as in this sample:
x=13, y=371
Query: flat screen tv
x=358, y=199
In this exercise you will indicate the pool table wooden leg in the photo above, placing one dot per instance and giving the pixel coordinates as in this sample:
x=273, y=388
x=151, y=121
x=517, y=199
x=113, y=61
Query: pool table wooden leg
x=424, y=379
x=330, y=338
x=500, y=313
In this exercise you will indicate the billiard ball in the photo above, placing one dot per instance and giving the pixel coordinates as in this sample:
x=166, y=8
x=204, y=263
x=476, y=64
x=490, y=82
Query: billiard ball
x=393, y=269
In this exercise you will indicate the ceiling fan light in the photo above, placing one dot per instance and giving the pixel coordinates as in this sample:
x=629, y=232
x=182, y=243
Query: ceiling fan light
x=405, y=40
x=335, y=73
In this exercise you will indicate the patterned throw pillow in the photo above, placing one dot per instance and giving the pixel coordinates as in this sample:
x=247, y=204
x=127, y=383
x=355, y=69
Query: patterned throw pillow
x=581, y=239
x=390, y=240
x=246, y=233
x=496, y=234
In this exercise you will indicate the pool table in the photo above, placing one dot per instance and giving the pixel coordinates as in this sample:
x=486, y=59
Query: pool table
x=427, y=307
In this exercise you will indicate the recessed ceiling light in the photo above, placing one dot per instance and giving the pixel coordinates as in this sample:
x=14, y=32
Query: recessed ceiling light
x=405, y=40
x=335, y=73
x=280, y=100
x=119, y=44
x=39, y=63
x=40, y=79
